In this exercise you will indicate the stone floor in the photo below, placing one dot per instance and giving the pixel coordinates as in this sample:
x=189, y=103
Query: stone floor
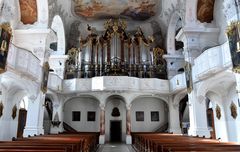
x=115, y=147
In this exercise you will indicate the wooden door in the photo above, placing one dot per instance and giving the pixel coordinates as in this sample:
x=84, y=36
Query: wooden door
x=21, y=122
x=115, y=131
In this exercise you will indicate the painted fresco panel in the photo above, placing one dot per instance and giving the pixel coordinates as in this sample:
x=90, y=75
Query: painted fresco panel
x=104, y=9
x=28, y=11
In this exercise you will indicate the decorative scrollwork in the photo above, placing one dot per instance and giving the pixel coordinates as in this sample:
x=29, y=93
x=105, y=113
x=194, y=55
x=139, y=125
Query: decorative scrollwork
x=218, y=112
x=233, y=108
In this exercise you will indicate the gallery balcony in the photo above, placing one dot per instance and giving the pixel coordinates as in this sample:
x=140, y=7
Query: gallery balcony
x=212, y=61
x=25, y=63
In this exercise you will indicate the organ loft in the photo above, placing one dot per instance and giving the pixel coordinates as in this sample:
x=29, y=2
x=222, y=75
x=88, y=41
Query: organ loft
x=119, y=76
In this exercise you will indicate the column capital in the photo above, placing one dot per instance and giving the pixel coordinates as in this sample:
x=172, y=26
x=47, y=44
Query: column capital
x=102, y=106
x=175, y=105
x=128, y=106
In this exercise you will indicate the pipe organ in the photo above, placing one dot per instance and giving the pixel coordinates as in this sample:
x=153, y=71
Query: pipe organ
x=116, y=53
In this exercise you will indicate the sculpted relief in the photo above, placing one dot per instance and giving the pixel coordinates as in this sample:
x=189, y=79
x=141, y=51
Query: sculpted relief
x=28, y=11
x=205, y=10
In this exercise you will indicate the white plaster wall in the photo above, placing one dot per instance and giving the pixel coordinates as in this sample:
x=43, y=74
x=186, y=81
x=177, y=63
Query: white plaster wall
x=46, y=122
x=220, y=124
x=7, y=123
x=84, y=105
x=232, y=124
x=108, y=117
x=220, y=20
x=147, y=105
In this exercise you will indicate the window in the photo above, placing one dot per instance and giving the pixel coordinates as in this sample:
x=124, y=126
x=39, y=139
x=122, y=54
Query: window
x=139, y=116
x=154, y=116
x=91, y=116
x=76, y=116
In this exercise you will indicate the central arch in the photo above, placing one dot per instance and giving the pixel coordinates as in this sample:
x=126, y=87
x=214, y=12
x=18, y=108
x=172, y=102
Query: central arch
x=115, y=119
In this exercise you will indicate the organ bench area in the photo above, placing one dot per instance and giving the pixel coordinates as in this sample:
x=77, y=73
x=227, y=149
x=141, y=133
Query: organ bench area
x=142, y=142
x=116, y=53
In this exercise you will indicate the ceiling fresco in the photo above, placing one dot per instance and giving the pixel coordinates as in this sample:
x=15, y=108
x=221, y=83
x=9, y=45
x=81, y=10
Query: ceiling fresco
x=104, y=9
x=28, y=11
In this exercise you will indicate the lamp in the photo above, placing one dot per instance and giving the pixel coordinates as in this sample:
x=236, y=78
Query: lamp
x=56, y=121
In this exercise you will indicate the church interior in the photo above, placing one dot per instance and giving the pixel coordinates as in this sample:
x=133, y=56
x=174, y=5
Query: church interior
x=119, y=75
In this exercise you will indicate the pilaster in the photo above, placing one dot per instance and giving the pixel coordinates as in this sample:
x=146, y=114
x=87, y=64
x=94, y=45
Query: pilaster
x=102, y=124
x=198, y=116
x=34, y=124
x=128, y=123
x=174, y=123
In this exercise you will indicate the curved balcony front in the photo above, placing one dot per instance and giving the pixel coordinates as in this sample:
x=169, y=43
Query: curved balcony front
x=24, y=63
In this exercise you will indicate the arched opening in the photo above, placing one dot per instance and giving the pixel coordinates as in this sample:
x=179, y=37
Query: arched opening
x=47, y=118
x=22, y=116
x=149, y=114
x=82, y=114
x=115, y=119
x=184, y=115
x=175, y=25
x=175, y=49
x=58, y=27
x=210, y=118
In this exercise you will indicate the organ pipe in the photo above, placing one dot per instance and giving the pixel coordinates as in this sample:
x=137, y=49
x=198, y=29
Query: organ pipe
x=115, y=53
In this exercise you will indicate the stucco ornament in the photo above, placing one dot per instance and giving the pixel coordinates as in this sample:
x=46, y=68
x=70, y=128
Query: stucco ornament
x=14, y=111
x=218, y=112
x=233, y=108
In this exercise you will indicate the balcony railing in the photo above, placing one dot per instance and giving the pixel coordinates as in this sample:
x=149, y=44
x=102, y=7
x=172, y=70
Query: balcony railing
x=24, y=62
x=212, y=61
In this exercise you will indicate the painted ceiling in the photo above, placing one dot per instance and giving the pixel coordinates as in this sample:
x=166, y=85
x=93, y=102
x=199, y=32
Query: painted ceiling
x=104, y=9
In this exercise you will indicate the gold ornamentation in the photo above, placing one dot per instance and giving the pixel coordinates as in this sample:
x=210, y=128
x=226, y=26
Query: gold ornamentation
x=45, y=77
x=218, y=112
x=1, y=109
x=14, y=111
x=188, y=75
x=233, y=32
x=5, y=38
x=233, y=108
x=6, y=27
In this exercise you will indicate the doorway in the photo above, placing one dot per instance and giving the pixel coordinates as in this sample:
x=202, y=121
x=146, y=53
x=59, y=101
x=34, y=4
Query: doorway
x=21, y=122
x=116, y=131
x=210, y=118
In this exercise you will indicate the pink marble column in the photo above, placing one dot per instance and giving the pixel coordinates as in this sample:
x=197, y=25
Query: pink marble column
x=102, y=122
x=128, y=121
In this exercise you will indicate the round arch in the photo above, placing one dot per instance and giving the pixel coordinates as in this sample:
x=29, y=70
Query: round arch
x=115, y=117
x=58, y=27
x=176, y=16
x=82, y=113
x=150, y=96
x=110, y=97
x=149, y=114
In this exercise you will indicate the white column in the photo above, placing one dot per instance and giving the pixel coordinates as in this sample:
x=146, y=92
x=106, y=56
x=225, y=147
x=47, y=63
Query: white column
x=198, y=116
x=57, y=109
x=34, y=124
x=102, y=125
x=128, y=124
x=174, y=123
